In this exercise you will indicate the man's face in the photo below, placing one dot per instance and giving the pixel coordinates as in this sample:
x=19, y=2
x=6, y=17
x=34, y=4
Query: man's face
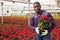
x=37, y=7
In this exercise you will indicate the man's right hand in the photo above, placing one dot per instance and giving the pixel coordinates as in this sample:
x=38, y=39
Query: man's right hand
x=37, y=30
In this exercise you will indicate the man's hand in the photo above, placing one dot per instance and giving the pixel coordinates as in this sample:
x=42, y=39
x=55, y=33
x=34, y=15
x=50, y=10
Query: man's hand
x=37, y=30
x=44, y=33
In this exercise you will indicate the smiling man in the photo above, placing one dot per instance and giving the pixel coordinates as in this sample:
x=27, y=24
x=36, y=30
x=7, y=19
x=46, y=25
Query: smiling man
x=35, y=18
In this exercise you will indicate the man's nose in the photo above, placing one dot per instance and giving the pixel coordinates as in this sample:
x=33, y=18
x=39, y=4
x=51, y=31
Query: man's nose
x=36, y=7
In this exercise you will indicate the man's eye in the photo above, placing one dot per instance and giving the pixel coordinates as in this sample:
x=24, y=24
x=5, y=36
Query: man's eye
x=35, y=7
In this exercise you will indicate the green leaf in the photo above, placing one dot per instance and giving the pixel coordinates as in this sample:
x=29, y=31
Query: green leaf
x=17, y=39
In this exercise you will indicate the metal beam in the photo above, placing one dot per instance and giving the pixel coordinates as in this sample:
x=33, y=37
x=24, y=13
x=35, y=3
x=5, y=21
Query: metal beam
x=18, y=1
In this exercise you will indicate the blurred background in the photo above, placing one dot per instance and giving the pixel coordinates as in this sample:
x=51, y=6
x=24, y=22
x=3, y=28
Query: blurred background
x=15, y=18
x=25, y=7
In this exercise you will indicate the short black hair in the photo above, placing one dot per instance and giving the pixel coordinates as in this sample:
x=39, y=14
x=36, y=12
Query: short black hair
x=36, y=3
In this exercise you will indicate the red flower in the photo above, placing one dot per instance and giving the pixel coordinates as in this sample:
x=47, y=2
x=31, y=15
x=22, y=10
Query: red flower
x=14, y=35
x=5, y=33
x=46, y=17
x=6, y=39
x=0, y=37
x=43, y=17
x=25, y=38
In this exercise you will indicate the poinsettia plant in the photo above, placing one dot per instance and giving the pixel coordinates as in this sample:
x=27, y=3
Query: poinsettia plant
x=44, y=23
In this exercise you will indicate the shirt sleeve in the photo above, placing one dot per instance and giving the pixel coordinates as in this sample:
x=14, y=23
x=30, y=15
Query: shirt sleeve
x=52, y=21
x=32, y=23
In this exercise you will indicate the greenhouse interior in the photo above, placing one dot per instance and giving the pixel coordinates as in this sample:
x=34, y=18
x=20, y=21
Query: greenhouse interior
x=14, y=7
x=15, y=18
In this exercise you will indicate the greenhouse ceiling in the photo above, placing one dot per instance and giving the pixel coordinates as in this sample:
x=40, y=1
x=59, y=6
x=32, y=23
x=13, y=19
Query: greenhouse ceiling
x=43, y=2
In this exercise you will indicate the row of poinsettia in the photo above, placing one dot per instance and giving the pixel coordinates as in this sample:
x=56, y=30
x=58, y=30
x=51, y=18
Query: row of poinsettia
x=16, y=32
x=15, y=28
x=56, y=31
x=15, y=20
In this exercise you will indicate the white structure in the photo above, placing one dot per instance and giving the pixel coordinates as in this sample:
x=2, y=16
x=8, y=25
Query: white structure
x=21, y=7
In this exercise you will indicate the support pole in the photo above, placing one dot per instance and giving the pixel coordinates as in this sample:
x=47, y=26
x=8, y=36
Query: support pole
x=29, y=12
x=2, y=11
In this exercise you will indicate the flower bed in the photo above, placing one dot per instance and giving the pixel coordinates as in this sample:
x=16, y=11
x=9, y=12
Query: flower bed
x=17, y=32
x=16, y=28
x=56, y=31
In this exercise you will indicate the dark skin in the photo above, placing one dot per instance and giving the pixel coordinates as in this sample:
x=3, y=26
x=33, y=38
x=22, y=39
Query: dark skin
x=37, y=8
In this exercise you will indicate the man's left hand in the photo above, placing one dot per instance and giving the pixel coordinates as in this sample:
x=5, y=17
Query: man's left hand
x=44, y=33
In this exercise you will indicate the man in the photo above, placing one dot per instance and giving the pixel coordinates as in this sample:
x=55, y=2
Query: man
x=34, y=20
